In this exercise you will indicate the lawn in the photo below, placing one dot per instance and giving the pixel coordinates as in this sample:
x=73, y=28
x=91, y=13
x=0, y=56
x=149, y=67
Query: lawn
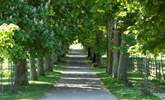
x=120, y=90
x=35, y=89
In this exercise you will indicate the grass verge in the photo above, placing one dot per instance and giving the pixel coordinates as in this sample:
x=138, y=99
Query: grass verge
x=36, y=89
x=119, y=89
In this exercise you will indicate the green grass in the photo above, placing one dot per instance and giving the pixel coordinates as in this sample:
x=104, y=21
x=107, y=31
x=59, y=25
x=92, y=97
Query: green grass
x=120, y=90
x=36, y=89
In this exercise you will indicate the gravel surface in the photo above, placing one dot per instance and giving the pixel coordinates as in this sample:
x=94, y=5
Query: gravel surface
x=78, y=82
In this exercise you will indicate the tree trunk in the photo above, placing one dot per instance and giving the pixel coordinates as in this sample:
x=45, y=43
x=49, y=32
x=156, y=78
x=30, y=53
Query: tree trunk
x=109, y=48
x=145, y=85
x=45, y=64
x=122, y=68
x=59, y=58
x=49, y=61
x=55, y=59
x=98, y=53
x=115, y=63
x=41, y=67
x=98, y=59
x=116, y=53
x=33, y=71
x=21, y=77
x=109, y=63
x=52, y=60
x=162, y=67
x=89, y=53
x=94, y=58
x=92, y=55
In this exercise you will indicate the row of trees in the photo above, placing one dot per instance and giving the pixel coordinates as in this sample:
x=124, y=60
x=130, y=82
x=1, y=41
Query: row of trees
x=121, y=28
x=37, y=32
x=116, y=27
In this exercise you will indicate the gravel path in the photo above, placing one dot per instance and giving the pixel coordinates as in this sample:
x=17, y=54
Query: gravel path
x=78, y=82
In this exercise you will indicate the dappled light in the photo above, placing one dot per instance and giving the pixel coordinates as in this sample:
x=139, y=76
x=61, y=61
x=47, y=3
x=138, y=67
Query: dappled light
x=82, y=49
x=78, y=81
x=79, y=86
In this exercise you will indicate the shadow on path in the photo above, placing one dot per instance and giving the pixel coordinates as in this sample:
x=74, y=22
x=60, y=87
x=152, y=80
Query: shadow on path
x=78, y=82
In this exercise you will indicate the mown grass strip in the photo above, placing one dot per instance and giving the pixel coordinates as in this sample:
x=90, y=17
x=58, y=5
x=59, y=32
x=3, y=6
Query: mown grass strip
x=119, y=89
x=36, y=89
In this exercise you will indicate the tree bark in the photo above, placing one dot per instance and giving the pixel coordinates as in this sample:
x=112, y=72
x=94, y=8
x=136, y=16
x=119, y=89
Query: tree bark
x=145, y=89
x=98, y=53
x=98, y=59
x=115, y=63
x=94, y=58
x=109, y=63
x=54, y=59
x=92, y=55
x=21, y=77
x=41, y=67
x=109, y=48
x=33, y=71
x=122, y=68
x=45, y=64
x=49, y=63
x=116, y=53
x=89, y=53
x=52, y=62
